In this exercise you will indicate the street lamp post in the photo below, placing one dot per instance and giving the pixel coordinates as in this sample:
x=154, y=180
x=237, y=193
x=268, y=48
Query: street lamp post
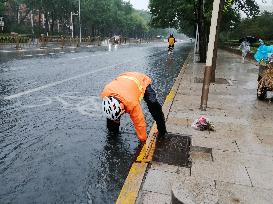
x=2, y=23
x=31, y=21
x=72, y=27
x=75, y=14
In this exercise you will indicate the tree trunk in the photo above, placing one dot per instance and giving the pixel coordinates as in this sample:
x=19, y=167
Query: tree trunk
x=92, y=31
x=39, y=23
x=52, y=23
x=202, y=33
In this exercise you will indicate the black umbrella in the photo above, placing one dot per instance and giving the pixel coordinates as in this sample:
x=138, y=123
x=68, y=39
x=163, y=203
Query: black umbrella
x=249, y=39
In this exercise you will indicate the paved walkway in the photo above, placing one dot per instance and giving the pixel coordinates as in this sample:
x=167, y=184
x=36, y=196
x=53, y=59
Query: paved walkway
x=234, y=164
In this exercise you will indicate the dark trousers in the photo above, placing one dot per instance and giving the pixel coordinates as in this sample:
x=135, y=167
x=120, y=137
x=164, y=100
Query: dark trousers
x=154, y=108
x=170, y=48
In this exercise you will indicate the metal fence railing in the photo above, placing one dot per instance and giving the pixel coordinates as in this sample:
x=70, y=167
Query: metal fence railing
x=21, y=42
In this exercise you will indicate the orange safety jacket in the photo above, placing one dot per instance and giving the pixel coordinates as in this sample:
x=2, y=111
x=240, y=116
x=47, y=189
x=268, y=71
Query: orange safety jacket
x=129, y=89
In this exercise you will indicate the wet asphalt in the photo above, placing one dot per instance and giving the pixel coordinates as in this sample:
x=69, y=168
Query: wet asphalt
x=54, y=145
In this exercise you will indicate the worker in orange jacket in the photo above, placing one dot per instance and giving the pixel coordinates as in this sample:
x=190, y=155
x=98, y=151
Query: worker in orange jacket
x=124, y=95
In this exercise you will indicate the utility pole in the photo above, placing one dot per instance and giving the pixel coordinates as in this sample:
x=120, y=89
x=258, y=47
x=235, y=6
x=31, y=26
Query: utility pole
x=208, y=67
x=214, y=59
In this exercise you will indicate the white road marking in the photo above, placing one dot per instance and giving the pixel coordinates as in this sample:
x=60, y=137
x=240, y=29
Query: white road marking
x=41, y=54
x=64, y=80
x=28, y=55
x=56, y=83
x=85, y=56
x=5, y=51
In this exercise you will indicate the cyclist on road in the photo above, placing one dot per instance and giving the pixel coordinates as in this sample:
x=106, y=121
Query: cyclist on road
x=124, y=95
x=171, y=41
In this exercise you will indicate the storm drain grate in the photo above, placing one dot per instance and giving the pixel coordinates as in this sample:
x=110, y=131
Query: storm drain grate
x=173, y=149
x=217, y=80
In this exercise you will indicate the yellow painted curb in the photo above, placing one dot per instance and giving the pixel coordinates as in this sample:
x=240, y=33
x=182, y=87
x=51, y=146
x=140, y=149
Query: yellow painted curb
x=147, y=150
x=131, y=187
x=170, y=96
x=132, y=184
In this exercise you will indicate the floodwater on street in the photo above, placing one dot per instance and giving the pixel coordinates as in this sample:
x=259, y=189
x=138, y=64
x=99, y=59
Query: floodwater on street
x=54, y=145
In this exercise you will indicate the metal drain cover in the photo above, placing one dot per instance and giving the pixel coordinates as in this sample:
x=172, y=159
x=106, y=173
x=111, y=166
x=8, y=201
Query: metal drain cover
x=173, y=149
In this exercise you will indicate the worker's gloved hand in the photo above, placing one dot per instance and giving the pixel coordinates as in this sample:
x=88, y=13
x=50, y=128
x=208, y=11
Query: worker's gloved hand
x=142, y=141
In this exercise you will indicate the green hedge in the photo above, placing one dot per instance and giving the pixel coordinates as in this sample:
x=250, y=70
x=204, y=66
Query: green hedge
x=12, y=39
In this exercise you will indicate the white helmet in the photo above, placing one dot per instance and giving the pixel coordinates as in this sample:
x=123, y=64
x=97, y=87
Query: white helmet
x=112, y=108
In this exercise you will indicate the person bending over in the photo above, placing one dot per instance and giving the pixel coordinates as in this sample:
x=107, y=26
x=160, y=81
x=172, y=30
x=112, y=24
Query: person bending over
x=124, y=95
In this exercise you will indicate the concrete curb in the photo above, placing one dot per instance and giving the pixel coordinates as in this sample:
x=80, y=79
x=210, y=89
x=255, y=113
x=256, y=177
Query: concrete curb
x=131, y=187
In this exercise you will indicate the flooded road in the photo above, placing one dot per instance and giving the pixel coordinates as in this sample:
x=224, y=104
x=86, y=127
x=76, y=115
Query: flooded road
x=54, y=145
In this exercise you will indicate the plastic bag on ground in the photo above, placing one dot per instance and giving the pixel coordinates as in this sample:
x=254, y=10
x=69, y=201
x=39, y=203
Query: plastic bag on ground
x=202, y=124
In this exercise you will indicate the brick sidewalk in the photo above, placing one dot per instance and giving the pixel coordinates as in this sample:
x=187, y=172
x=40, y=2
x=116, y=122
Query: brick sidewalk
x=234, y=164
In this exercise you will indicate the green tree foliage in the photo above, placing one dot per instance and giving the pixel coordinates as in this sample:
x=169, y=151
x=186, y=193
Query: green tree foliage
x=2, y=7
x=103, y=17
x=110, y=17
x=260, y=26
x=184, y=15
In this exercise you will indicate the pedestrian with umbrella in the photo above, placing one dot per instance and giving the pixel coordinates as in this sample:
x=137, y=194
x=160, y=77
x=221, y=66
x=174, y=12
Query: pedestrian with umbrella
x=245, y=45
x=245, y=48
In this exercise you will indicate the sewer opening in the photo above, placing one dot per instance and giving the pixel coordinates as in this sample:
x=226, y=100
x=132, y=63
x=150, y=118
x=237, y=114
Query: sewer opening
x=173, y=149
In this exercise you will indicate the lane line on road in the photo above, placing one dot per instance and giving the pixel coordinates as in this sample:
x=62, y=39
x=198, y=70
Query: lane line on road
x=5, y=51
x=54, y=84
x=65, y=80
x=61, y=81
x=86, y=56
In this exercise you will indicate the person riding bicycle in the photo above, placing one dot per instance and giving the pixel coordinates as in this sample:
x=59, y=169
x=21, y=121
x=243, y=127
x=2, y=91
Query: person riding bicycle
x=124, y=95
x=171, y=41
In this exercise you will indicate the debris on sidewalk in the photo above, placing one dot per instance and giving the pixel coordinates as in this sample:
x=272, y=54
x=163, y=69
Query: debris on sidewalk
x=202, y=124
x=265, y=84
